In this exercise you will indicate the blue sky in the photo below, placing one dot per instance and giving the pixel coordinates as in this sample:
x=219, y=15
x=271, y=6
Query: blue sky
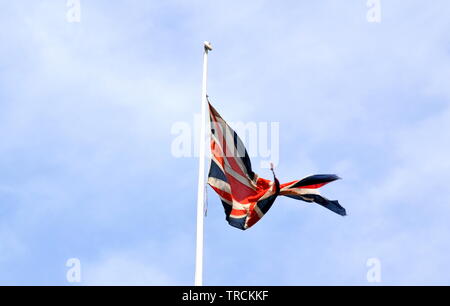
x=86, y=111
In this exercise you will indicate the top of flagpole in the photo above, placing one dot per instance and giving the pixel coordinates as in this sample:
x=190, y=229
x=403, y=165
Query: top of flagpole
x=207, y=46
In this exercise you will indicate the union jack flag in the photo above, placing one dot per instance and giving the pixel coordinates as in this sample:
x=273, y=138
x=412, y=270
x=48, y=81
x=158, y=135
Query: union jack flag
x=246, y=197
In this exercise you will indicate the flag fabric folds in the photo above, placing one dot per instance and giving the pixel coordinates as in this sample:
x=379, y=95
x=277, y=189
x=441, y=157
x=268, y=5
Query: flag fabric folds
x=245, y=196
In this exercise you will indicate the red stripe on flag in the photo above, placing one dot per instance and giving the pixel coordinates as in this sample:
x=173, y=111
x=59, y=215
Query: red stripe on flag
x=314, y=186
x=238, y=212
x=222, y=193
x=231, y=159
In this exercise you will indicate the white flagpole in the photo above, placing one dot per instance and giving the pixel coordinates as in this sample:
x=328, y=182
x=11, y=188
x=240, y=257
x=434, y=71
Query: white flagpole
x=201, y=174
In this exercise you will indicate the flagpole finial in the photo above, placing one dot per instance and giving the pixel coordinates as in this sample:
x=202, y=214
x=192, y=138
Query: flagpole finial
x=207, y=46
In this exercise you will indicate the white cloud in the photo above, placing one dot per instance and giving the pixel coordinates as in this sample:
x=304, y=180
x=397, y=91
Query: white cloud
x=123, y=270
